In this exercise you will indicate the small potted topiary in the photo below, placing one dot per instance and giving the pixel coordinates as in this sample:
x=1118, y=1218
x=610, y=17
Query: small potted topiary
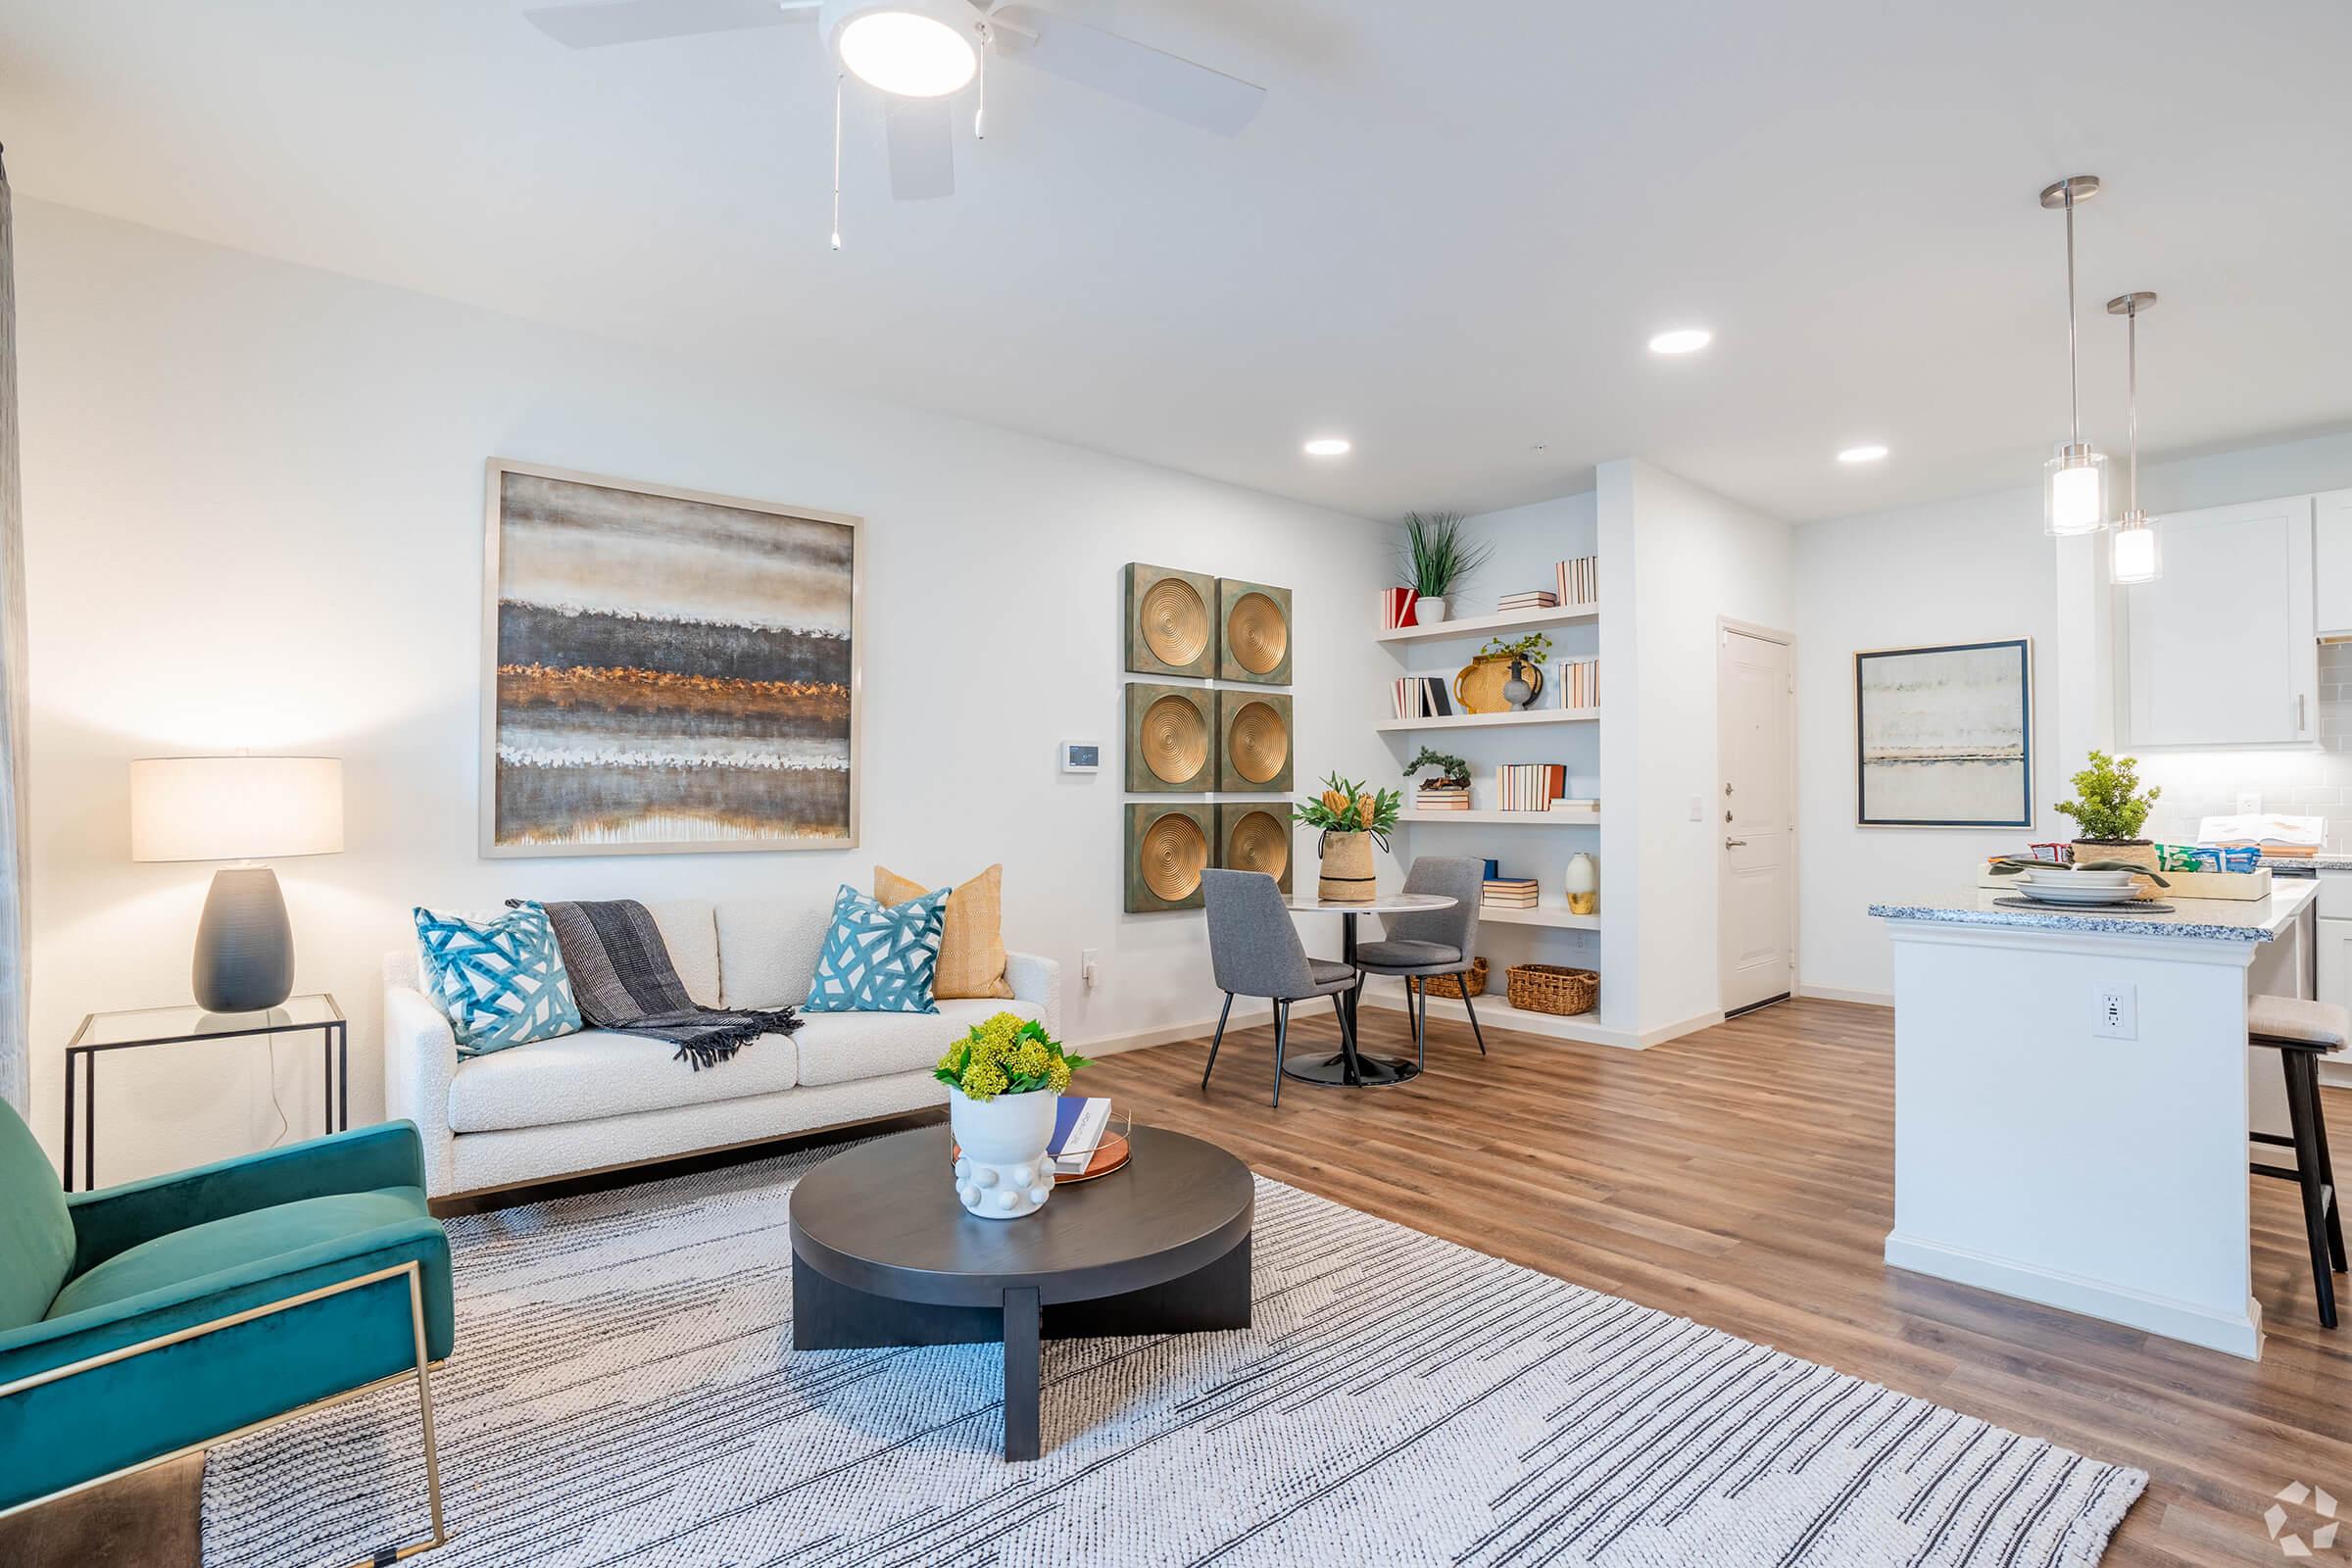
x=1452, y=773
x=2109, y=811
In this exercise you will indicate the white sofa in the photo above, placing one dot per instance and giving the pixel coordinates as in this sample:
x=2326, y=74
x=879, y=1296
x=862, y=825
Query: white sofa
x=597, y=1100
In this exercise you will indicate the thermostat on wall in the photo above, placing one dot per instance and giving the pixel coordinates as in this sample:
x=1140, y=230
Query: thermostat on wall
x=1081, y=756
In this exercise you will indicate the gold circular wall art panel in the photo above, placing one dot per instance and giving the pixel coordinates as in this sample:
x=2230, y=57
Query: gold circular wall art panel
x=1260, y=843
x=1258, y=634
x=1175, y=622
x=1175, y=740
x=1173, y=854
x=1259, y=743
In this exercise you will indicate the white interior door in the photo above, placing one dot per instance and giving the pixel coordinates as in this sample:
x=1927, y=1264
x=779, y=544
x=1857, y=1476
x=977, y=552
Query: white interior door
x=1756, y=916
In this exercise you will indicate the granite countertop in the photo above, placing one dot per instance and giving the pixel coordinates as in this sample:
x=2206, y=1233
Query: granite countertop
x=2209, y=919
x=2321, y=861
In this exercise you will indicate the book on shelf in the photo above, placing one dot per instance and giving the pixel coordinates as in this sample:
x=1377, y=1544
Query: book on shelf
x=1079, y=1124
x=1579, y=579
x=1565, y=804
x=1529, y=786
x=1533, y=599
x=1397, y=607
x=1431, y=798
x=1511, y=893
x=1420, y=697
x=1580, y=683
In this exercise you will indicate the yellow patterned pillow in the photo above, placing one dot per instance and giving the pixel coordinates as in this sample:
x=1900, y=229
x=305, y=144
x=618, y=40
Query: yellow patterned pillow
x=971, y=947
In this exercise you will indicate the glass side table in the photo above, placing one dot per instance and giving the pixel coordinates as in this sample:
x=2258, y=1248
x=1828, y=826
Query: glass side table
x=190, y=1024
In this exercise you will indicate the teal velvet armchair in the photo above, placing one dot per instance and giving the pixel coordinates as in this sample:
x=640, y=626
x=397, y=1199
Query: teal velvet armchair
x=142, y=1322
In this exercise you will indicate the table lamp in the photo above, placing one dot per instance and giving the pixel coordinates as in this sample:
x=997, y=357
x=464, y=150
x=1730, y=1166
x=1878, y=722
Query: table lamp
x=241, y=808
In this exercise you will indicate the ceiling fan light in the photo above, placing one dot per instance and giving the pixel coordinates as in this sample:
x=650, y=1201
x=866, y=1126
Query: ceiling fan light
x=912, y=50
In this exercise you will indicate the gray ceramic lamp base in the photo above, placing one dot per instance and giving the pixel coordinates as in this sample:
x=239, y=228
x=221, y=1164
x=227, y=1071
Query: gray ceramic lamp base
x=244, y=944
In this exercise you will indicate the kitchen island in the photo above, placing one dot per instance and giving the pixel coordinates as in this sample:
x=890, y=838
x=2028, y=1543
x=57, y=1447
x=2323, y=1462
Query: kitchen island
x=2071, y=1101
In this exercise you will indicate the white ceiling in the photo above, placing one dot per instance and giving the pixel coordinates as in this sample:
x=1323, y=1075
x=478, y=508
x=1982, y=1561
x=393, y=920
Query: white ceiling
x=1447, y=235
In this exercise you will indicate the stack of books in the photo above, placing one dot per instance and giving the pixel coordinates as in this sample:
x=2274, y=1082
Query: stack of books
x=1441, y=797
x=1587, y=806
x=1396, y=605
x=1533, y=599
x=1580, y=683
x=1529, y=786
x=1078, y=1127
x=1509, y=893
x=1580, y=581
x=1420, y=697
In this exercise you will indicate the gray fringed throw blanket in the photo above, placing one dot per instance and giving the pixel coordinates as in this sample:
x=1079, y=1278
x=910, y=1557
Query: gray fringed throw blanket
x=623, y=980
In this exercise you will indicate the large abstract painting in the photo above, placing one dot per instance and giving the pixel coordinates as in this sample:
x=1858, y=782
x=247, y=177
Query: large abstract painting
x=669, y=672
x=1945, y=735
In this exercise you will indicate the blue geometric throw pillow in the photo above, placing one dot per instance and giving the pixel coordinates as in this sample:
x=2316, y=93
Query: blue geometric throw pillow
x=500, y=982
x=877, y=959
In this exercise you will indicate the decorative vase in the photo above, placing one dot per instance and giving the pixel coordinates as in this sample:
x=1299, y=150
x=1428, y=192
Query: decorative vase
x=1347, y=867
x=2138, y=851
x=1001, y=1171
x=1583, y=884
x=1516, y=691
x=1428, y=610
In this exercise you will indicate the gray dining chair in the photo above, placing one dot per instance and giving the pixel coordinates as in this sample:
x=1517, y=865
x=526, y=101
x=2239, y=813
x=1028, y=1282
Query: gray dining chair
x=1254, y=950
x=1430, y=942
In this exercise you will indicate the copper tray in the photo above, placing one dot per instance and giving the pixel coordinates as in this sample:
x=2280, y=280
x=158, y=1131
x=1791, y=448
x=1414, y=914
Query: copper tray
x=1111, y=1155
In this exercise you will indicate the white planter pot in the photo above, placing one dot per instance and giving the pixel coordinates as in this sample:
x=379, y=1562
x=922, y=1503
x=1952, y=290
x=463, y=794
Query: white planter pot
x=1003, y=1172
x=1428, y=612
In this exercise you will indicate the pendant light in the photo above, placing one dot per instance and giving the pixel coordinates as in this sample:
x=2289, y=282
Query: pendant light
x=2136, y=557
x=2074, y=496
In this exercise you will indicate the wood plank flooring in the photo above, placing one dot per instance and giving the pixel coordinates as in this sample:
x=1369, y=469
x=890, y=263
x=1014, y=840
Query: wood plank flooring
x=1743, y=1177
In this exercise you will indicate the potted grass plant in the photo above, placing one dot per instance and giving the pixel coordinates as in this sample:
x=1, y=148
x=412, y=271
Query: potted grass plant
x=1004, y=1080
x=2109, y=809
x=1436, y=555
x=1353, y=818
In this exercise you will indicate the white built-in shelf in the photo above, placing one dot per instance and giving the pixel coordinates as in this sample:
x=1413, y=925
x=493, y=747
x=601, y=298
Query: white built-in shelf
x=1507, y=818
x=1488, y=625
x=1531, y=715
x=1554, y=915
x=1494, y=1011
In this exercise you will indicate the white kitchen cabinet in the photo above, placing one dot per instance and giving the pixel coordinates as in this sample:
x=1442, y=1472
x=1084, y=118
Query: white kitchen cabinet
x=2222, y=650
x=2331, y=576
x=2335, y=961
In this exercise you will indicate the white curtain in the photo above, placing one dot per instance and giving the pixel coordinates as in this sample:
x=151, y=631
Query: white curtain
x=14, y=1068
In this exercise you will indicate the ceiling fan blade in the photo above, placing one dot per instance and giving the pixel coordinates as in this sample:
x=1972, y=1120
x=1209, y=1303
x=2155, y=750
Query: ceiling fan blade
x=922, y=132
x=601, y=22
x=1125, y=69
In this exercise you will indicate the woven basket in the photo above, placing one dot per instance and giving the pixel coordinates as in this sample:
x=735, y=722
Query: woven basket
x=1448, y=985
x=1548, y=988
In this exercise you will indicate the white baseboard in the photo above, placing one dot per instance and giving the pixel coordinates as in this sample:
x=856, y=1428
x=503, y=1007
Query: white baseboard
x=1869, y=998
x=2174, y=1319
x=1145, y=1039
x=1674, y=1031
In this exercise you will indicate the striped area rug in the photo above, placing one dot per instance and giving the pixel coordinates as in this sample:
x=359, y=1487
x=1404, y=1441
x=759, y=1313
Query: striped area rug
x=624, y=1393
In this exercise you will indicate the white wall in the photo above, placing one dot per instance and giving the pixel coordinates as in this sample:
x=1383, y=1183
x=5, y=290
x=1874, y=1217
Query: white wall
x=1978, y=569
x=1697, y=559
x=253, y=504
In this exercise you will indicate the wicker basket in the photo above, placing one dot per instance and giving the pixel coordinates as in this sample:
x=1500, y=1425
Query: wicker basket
x=1548, y=988
x=1448, y=985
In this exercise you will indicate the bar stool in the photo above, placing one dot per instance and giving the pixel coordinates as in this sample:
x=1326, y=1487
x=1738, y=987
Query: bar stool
x=2302, y=1032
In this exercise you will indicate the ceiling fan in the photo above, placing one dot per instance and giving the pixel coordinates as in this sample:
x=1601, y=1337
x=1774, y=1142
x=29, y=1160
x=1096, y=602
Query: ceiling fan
x=921, y=53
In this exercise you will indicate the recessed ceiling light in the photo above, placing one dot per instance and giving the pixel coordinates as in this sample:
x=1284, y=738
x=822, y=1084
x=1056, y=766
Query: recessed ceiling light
x=1871, y=453
x=1329, y=446
x=1682, y=340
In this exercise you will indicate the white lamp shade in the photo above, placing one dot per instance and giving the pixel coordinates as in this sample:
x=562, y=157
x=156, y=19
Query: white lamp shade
x=2074, y=496
x=236, y=807
x=2135, y=556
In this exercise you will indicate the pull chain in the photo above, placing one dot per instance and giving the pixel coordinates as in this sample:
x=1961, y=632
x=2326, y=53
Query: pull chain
x=980, y=115
x=837, y=161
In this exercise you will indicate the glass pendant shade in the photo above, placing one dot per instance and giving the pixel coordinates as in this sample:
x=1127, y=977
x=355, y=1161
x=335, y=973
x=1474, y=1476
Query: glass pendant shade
x=2136, y=558
x=2073, y=492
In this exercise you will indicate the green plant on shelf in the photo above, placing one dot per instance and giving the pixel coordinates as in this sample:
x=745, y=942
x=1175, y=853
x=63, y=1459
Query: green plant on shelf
x=1437, y=554
x=1453, y=772
x=1534, y=648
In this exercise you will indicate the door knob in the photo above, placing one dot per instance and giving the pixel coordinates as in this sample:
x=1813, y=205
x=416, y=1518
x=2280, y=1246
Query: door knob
x=1734, y=844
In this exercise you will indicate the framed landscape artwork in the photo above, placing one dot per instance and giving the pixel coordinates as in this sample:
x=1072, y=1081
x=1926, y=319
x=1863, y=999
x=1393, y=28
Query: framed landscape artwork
x=1944, y=736
x=667, y=672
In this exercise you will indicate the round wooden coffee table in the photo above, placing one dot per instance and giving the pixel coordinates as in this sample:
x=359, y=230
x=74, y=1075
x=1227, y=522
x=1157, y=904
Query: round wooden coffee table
x=882, y=1254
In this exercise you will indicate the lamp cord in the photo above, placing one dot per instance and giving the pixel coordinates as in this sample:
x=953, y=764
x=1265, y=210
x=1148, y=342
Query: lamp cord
x=2131, y=381
x=2074, y=373
x=837, y=80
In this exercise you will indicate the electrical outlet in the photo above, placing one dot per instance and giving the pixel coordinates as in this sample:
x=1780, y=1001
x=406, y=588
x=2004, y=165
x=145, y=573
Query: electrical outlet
x=2250, y=802
x=1085, y=966
x=1697, y=812
x=2118, y=1015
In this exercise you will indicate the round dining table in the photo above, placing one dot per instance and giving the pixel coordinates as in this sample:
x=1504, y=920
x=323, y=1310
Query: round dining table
x=1352, y=1068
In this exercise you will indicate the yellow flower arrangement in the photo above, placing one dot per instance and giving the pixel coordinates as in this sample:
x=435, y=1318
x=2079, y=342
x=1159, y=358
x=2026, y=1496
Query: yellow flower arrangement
x=1007, y=1053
